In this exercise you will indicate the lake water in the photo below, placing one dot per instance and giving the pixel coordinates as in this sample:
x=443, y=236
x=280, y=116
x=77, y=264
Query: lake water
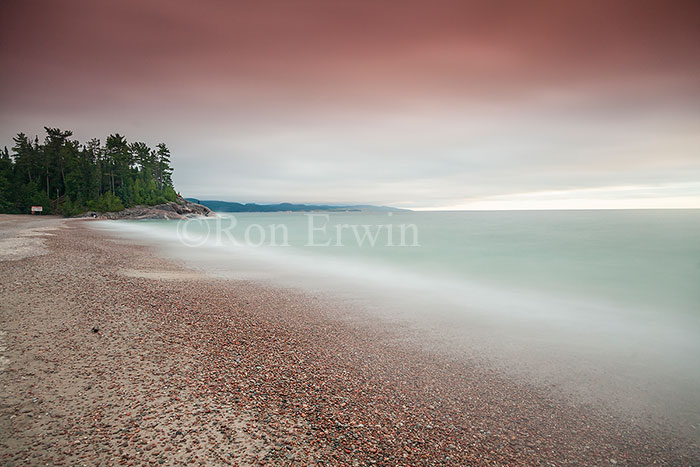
x=603, y=304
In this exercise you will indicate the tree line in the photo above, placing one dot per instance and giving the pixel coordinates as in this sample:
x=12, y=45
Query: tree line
x=67, y=177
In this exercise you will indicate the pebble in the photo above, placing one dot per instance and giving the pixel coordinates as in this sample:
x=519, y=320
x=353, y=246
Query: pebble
x=216, y=372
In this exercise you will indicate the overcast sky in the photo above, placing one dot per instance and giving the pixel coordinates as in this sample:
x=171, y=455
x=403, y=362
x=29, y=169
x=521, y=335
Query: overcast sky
x=422, y=104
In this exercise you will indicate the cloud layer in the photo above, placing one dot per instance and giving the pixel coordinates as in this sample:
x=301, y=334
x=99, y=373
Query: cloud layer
x=439, y=104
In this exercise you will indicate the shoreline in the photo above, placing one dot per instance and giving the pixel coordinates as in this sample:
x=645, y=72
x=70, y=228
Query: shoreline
x=187, y=368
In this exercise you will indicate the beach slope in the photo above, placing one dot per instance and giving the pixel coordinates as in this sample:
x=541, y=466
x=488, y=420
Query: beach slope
x=110, y=354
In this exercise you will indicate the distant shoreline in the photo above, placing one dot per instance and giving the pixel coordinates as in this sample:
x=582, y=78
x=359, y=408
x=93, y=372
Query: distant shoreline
x=227, y=206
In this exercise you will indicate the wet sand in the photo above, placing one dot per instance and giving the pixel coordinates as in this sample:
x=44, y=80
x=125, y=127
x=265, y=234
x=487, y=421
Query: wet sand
x=112, y=355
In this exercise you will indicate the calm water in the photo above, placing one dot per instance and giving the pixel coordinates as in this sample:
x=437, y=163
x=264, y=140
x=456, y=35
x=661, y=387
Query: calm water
x=604, y=302
x=646, y=260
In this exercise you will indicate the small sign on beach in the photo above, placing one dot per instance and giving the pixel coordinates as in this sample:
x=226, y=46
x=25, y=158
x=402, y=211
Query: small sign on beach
x=36, y=209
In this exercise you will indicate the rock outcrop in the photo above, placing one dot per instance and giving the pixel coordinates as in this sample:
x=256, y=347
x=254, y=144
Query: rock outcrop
x=180, y=209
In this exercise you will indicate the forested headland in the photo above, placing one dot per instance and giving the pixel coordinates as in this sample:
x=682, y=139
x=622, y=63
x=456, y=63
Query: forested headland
x=67, y=177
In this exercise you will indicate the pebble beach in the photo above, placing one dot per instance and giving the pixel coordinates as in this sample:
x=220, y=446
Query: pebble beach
x=112, y=355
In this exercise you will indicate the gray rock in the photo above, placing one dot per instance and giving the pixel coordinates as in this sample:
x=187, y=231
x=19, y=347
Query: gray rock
x=181, y=209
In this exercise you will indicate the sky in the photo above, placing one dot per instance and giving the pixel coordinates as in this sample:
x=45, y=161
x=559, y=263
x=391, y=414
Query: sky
x=419, y=104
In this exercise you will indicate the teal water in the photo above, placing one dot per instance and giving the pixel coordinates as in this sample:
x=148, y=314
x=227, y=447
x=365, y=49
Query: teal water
x=642, y=259
x=605, y=304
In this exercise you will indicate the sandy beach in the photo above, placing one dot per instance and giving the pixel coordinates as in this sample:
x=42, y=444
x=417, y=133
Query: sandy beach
x=110, y=355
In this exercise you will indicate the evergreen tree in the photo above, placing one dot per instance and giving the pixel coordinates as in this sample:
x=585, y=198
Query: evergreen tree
x=66, y=177
x=25, y=158
x=164, y=171
x=5, y=178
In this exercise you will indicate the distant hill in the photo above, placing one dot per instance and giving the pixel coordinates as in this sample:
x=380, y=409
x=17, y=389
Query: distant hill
x=226, y=206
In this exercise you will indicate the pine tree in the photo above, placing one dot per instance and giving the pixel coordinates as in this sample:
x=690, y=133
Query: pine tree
x=65, y=177
x=164, y=172
x=5, y=178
